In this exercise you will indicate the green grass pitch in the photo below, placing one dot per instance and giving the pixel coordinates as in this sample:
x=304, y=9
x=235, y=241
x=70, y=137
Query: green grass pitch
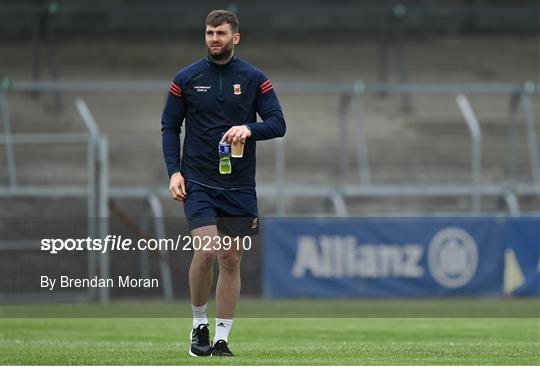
x=268, y=341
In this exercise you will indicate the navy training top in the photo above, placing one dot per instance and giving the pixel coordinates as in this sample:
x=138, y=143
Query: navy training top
x=212, y=98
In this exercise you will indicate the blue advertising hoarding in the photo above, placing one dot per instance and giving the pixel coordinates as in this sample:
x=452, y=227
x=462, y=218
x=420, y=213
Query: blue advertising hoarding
x=522, y=236
x=394, y=257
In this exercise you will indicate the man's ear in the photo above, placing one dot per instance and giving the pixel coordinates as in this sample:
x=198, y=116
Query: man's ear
x=236, y=38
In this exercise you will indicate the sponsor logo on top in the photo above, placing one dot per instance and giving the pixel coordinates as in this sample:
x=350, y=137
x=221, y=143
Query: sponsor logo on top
x=452, y=258
x=202, y=88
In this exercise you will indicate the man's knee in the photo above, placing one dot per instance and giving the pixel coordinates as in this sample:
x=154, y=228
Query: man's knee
x=229, y=260
x=204, y=258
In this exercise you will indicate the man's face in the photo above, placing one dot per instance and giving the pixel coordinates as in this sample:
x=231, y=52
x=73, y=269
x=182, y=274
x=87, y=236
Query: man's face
x=220, y=41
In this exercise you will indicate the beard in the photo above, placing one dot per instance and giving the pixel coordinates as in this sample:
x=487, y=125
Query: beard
x=222, y=54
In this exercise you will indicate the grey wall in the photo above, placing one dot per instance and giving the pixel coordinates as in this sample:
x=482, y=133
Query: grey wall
x=268, y=18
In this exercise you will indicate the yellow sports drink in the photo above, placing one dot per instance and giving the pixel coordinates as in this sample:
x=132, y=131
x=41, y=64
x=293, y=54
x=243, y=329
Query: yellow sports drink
x=224, y=149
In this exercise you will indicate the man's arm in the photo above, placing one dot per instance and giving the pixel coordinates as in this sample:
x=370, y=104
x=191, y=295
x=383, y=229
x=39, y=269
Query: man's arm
x=269, y=109
x=171, y=124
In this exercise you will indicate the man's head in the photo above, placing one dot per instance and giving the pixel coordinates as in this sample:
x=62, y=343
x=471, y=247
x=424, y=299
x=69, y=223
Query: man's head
x=221, y=34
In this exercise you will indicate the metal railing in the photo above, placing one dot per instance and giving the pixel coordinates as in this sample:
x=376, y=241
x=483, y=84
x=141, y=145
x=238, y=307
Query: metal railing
x=96, y=192
x=349, y=109
x=476, y=148
x=349, y=106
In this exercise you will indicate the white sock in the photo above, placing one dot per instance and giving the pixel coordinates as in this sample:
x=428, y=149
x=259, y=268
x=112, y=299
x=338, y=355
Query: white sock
x=199, y=315
x=223, y=326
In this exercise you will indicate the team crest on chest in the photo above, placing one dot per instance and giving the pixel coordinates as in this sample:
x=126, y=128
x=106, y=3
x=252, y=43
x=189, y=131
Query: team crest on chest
x=237, y=89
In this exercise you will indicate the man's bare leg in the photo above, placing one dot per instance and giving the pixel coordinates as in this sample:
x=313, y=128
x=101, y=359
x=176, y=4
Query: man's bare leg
x=228, y=290
x=201, y=269
x=228, y=285
x=200, y=284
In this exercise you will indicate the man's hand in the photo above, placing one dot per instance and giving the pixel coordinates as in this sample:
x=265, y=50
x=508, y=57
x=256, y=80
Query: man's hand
x=236, y=133
x=177, y=187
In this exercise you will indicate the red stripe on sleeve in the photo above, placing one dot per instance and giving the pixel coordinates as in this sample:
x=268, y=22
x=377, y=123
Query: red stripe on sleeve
x=175, y=89
x=175, y=92
x=264, y=84
x=267, y=88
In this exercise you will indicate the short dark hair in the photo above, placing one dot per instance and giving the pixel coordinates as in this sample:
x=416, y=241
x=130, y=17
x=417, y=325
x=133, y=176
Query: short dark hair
x=217, y=17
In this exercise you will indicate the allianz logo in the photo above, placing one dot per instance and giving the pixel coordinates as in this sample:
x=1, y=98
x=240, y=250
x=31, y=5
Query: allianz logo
x=452, y=258
x=342, y=256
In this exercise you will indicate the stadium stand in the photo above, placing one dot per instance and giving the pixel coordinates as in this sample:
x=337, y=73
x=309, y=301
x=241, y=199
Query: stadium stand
x=430, y=144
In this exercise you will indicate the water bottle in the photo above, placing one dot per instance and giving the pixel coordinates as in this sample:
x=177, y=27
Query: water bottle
x=225, y=167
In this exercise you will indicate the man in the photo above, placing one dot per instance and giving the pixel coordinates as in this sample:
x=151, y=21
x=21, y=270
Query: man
x=219, y=97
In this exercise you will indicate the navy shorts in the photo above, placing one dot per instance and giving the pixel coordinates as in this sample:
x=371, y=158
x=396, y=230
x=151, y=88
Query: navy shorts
x=234, y=212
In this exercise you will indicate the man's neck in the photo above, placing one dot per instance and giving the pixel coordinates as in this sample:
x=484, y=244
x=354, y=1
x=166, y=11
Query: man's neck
x=222, y=62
